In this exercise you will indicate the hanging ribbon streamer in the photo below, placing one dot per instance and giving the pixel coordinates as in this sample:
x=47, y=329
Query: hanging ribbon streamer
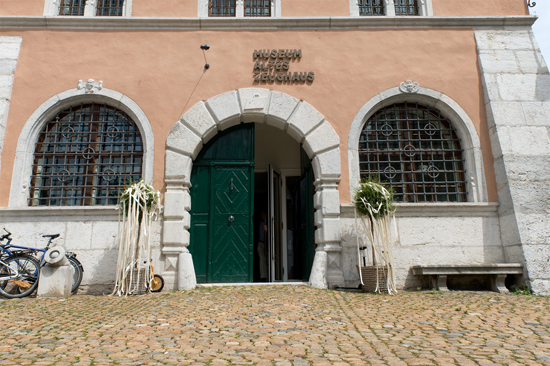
x=376, y=224
x=139, y=207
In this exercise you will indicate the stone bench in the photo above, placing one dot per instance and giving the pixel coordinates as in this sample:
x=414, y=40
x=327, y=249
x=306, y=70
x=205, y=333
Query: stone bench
x=498, y=272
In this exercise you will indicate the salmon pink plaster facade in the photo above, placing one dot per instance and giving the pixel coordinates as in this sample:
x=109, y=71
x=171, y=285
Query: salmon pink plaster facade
x=475, y=62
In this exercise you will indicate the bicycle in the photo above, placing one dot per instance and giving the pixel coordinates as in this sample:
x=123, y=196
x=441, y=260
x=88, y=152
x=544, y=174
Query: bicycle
x=78, y=270
x=18, y=275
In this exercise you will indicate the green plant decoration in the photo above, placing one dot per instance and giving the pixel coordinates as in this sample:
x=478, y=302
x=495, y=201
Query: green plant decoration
x=371, y=198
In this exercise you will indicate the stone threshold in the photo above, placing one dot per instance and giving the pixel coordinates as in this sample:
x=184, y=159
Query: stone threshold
x=290, y=283
x=333, y=23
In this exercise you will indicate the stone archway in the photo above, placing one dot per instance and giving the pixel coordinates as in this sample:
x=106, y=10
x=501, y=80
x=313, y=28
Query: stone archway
x=301, y=121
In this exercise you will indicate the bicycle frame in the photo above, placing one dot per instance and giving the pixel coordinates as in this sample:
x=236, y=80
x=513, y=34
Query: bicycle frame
x=16, y=275
x=6, y=249
x=30, y=250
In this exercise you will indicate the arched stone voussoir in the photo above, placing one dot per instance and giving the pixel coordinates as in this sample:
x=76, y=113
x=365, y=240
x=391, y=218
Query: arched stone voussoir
x=182, y=139
x=304, y=119
x=321, y=139
x=225, y=109
x=200, y=121
x=281, y=107
x=254, y=104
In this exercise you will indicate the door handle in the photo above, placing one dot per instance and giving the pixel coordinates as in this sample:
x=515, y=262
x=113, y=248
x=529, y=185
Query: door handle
x=231, y=218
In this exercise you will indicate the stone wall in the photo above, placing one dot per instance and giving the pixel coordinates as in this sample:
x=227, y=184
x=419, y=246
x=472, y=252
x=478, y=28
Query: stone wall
x=517, y=97
x=89, y=232
x=456, y=233
x=9, y=53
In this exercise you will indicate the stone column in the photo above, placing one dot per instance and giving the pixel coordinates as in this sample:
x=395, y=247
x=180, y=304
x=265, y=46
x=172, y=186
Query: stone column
x=327, y=264
x=517, y=98
x=179, y=271
x=9, y=53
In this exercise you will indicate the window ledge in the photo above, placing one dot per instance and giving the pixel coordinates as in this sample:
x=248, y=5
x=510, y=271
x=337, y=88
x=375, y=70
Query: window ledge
x=77, y=22
x=70, y=213
x=107, y=213
x=444, y=209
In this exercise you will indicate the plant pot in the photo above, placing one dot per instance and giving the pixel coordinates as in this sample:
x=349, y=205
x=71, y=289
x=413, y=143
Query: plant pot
x=133, y=286
x=370, y=275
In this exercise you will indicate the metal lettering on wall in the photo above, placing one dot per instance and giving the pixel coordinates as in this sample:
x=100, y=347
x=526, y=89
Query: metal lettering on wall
x=273, y=65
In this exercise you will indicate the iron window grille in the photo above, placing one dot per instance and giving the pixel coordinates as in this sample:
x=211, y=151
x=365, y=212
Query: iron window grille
x=110, y=8
x=222, y=8
x=371, y=7
x=72, y=7
x=414, y=150
x=257, y=8
x=406, y=7
x=85, y=156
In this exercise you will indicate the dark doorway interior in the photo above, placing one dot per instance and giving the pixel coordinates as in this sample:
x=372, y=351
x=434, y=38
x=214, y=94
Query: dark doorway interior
x=260, y=205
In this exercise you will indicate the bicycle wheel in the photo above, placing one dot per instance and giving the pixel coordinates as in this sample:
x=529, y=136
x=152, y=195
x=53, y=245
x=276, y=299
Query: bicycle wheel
x=77, y=273
x=157, y=283
x=28, y=268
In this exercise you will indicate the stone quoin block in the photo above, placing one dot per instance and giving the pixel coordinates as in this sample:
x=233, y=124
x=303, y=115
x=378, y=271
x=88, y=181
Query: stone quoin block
x=508, y=113
x=495, y=61
x=529, y=141
x=7, y=66
x=537, y=113
x=523, y=87
x=177, y=165
x=174, y=204
x=173, y=233
x=9, y=47
x=327, y=164
x=329, y=231
x=531, y=62
x=327, y=201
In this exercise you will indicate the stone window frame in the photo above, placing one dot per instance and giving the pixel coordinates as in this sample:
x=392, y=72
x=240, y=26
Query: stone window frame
x=463, y=125
x=424, y=8
x=239, y=11
x=30, y=132
x=51, y=8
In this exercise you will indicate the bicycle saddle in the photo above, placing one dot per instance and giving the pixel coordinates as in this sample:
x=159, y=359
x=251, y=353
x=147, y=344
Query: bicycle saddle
x=53, y=236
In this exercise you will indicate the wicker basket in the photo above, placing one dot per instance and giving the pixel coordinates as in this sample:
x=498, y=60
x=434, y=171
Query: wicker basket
x=142, y=287
x=369, y=278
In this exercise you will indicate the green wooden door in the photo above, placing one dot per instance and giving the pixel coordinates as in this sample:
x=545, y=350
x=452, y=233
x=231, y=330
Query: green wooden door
x=307, y=215
x=231, y=249
x=222, y=184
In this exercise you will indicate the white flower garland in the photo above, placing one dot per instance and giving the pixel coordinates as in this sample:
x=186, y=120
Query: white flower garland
x=378, y=233
x=134, y=247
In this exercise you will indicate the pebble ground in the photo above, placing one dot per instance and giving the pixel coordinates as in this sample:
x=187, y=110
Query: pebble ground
x=277, y=325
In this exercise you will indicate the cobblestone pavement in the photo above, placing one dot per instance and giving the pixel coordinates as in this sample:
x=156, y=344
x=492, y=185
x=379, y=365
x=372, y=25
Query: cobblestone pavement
x=277, y=325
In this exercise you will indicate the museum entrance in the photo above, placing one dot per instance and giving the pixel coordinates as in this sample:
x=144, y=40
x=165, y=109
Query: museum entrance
x=252, y=208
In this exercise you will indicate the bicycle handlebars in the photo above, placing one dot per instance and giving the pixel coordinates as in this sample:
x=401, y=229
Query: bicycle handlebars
x=5, y=236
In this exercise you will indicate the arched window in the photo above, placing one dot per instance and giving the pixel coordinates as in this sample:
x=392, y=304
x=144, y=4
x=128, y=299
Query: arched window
x=415, y=150
x=84, y=156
